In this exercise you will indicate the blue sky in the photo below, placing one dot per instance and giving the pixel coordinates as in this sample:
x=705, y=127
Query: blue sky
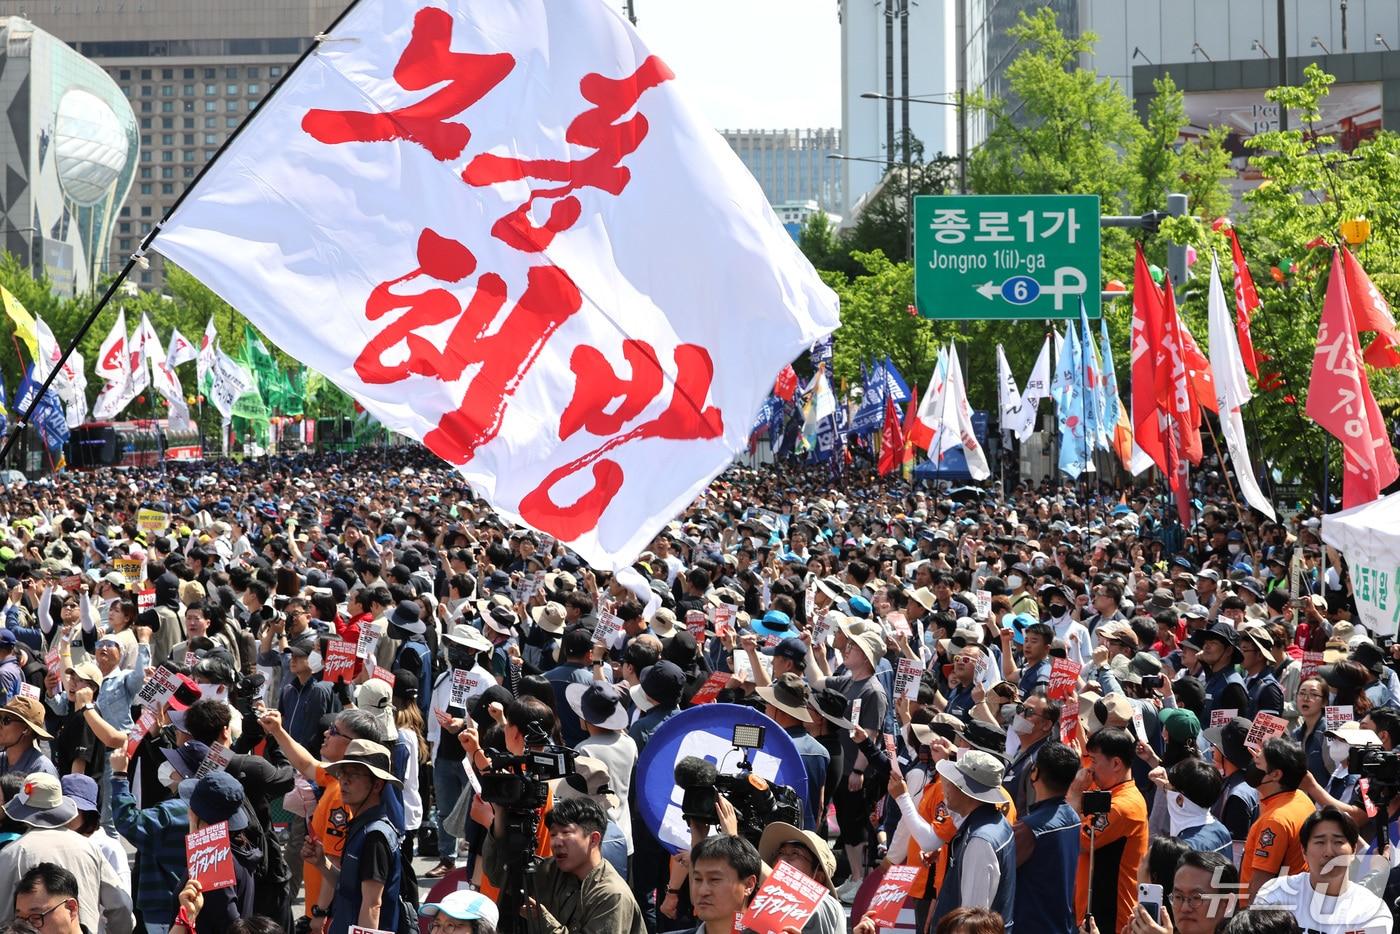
x=751, y=64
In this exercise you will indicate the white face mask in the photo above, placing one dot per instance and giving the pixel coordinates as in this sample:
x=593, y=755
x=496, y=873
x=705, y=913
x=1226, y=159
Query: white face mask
x=1234, y=549
x=1337, y=752
x=167, y=775
x=1185, y=814
x=1013, y=581
x=1020, y=724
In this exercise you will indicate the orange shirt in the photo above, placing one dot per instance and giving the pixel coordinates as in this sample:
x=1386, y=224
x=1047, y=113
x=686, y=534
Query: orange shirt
x=328, y=825
x=932, y=809
x=1120, y=840
x=1273, y=845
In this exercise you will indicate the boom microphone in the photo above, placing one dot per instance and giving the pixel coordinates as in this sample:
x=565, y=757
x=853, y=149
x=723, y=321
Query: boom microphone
x=694, y=772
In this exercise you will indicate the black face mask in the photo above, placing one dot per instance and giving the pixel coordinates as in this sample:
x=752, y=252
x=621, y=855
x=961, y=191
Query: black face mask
x=463, y=659
x=1254, y=776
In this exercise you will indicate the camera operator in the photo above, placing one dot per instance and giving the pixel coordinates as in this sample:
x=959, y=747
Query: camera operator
x=576, y=891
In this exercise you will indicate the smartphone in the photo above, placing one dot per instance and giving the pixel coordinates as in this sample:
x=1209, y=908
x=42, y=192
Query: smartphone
x=1150, y=898
x=1097, y=802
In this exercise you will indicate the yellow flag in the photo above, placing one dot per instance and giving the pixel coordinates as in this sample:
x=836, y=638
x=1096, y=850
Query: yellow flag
x=25, y=328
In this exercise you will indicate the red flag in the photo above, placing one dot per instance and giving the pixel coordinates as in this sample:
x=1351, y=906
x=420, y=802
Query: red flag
x=1175, y=385
x=1198, y=369
x=1246, y=301
x=785, y=387
x=1340, y=400
x=1146, y=338
x=911, y=418
x=1372, y=313
x=891, y=439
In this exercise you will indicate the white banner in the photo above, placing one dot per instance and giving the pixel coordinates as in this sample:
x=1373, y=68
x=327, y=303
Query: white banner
x=501, y=227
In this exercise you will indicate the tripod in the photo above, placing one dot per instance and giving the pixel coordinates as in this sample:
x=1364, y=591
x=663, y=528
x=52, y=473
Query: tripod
x=518, y=884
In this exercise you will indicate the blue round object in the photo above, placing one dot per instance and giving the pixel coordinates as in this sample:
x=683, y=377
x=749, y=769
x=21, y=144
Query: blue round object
x=1020, y=290
x=707, y=732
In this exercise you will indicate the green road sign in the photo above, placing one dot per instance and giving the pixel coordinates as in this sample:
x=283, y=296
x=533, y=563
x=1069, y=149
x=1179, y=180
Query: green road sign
x=1006, y=256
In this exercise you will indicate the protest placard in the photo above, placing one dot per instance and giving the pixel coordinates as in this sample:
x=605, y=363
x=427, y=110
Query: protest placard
x=1064, y=675
x=72, y=583
x=855, y=711
x=144, y=724
x=339, y=664
x=128, y=568
x=152, y=520
x=146, y=599
x=160, y=684
x=1312, y=661
x=216, y=760
x=209, y=856
x=1264, y=728
x=53, y=661
x=609, y=625
x=28, y=690
x=811, y=601
x=1139, y=727
x=1336, y=716
x=890, y=895
x=369, y=641
x=1222, y=716
x=823, y=628
x=463, y=682
x=984, y=604
x=786, y=899
x=383, y=674
x=708, y=691
x=906, y=678
x=724, y=619
x=695, y=623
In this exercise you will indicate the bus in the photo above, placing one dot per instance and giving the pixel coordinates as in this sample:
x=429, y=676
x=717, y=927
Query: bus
x=140, y=443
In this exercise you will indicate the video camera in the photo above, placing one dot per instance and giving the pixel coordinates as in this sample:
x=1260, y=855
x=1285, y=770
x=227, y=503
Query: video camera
x=757, y=802
x=1380, y=768
x=520, y=783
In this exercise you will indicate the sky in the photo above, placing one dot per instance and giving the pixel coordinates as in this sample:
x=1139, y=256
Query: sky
x=751, y=64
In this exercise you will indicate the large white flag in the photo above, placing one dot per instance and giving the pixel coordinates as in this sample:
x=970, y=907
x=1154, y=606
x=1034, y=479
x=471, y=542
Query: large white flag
x=928, y=420
x=1022, y=423
x=1232, y=391
x=113, y=364
x=1008, y=396
x=71, y=382
x=957, y=420
x=501, y=227
x=136, y=351
x=208, y=352
x=163, y=378
x=229, y=381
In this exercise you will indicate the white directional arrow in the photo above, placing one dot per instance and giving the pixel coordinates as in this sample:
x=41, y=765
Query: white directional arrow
x=989, y=289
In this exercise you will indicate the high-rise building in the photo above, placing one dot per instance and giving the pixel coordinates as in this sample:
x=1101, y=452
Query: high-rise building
x=192, y=70
x=792, y=165
x=69, y=148
x=898, y=49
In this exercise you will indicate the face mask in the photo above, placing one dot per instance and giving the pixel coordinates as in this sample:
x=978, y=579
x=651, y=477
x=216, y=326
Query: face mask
x=213, y=692
x=1234, y=549
x=1058, y=611
x=167, y=774
x=1337, y=752
x=1038, y=563
x=1184, y=813
x=1254, y=776
x=1013, y=581
x=1020, y=724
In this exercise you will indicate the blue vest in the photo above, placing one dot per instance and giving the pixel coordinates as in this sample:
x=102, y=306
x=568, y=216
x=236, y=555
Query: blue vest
x=1044, y=902
x=1209, y=838
x=985, y=823
x=345, y=908
x=422, y=668
x=1216, y=685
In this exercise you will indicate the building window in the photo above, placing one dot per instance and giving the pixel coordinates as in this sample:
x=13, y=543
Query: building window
x=211, y=139
x=188, y=107
x=254, y=89
x=167, y=139
x=209, y=154
x=188, y=90
x=167, y=90
x=147, y=90
x=190, y=155
x=167, y=156
x=211, y=122
x=189, y=171
x=167, y=107
x=231, y=74
x=146, y=208
x=167, y=188
x=167, y=171
x=145, y=74
x=252, y=72
x=167, y=123
x=187, y=122
x=145, y=139
x=145, y=172
x=231, y=106
x=145, y=189
x=210, y=105
x=126, y=243
x=188, y=74
x=275, y=71
x=124, y=74
x=231, y=122
x=211, y=89
x=208, y=74
x=145, y=155
x=167, y=73
x=231, y=90
x=126, y=211
x=189, y=139
x=145, y=107
x=124, y=227
x=145, y=123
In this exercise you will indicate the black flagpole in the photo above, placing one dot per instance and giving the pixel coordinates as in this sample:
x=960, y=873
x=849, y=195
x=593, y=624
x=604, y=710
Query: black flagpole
x=140, y=255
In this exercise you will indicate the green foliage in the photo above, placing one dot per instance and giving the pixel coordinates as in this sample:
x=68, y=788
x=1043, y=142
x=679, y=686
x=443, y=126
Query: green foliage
x=1161, y=164
x=875, y=321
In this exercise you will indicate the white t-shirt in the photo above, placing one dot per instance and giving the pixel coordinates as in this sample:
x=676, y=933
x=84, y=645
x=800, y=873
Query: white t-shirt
x=1356, y=910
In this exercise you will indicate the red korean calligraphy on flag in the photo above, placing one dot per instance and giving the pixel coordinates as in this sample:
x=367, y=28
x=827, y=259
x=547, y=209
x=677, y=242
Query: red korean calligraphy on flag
x=891, y=439
x=1372, y=313
x=891, y=894
x=1175, y=383
x=451, y=209
x=1246, y=301
x=787, y=898
x=209, y=857
x=1146, y=339
x=1340, y=399
x=785, y=386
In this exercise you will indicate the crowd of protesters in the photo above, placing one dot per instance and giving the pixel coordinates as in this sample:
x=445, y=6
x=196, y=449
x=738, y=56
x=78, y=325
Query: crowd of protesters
x=1212, y=754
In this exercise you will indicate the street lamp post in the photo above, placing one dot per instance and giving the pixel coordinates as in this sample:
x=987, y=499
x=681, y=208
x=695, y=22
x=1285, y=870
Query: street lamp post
x=908, y=194
x=960, y=104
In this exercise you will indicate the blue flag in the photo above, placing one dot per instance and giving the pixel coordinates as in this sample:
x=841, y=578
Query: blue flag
x=883, y=381
x=1074, y=447
x=48, y=415
x=1110, y=383
x=1094, y=414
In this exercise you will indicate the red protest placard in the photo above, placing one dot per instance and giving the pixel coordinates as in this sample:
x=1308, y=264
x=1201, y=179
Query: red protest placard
x=1311, y=662
x=889, y=898
x=1264, y=728
x=609, y=624
x=708, y=691
x=138, y=732
x=384, y=674
x=695, y=622
x=146, y=599
x=210, y=857
x=724, y=619
x=786, y=899
x=340, y=661
x=1064, y=675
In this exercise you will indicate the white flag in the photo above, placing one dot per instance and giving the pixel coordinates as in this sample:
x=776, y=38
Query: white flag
x=451, y=210
x=208, y=352
x=164, y=380
x=71, y=383
x=1008, y=396
x=928, y=420
x=1037, y=388
x=1232, y=391
x=136, y=351
x=113, y=364
x=229, y=381
x=957, y=427
x=180, y=349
